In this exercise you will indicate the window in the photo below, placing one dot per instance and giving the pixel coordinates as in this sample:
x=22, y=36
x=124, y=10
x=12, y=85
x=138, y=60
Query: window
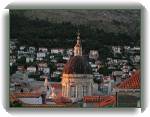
x=73, y=91
x=63, y=90
x=85, y=89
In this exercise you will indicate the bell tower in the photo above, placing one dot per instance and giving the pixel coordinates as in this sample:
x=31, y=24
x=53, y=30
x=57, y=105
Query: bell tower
x=78, y=46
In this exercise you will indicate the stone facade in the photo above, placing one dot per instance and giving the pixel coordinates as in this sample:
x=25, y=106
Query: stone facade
x=77, y=85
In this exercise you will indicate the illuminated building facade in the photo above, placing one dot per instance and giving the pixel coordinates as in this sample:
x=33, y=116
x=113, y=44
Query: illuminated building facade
x=77, y=78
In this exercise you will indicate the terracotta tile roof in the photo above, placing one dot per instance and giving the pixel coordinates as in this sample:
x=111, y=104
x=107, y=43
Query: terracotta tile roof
x=95, y=98
x=27, y=95
x=100, y=101
x=132, y=83
x=13, y=98
x=61, y=100
x=107, y=101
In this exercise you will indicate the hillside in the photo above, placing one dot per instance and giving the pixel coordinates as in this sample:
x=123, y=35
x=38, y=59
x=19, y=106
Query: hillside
x=103, y=26
x=109, y=20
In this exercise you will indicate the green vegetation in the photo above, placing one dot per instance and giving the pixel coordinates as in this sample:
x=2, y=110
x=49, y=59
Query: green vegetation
x=13, y=69
x=63, y=34
x=21, y=61
x=105, y=71
x=15, y=104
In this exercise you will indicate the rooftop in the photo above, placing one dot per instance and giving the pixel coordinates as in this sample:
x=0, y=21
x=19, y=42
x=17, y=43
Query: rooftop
x=27, y=95
x=77, y=65
x=132, y=83
x=101, y=101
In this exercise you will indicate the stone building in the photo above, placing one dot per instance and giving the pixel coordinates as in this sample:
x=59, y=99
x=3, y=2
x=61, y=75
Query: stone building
x=128, y=93
x=77, y=78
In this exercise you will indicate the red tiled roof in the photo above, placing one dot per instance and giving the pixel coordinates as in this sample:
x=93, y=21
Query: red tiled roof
x=100, y=101
x=107, y=101
x=132, y=83
x=61, y=100
x=13, y=98
x=26, y=95
x=93, y=98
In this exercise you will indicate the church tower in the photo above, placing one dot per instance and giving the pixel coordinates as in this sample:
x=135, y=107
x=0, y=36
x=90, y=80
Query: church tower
x=77, y=77
x=78, y=46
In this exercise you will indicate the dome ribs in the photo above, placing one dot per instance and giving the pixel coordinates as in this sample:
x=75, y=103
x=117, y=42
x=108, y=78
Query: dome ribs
x=77, y=65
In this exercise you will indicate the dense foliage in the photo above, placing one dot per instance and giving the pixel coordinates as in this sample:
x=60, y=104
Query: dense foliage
x=51, y=34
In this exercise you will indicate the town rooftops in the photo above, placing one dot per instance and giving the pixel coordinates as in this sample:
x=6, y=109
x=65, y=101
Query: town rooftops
x=101, y=101
x=27, y=95
x=132, y=83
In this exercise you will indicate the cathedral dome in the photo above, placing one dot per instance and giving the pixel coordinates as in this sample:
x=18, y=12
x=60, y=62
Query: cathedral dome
x=77, y=65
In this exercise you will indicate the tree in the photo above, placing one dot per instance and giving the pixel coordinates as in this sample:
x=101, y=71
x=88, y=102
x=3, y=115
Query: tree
x=52, y=67
x=13, y=69
x=105, y=71
x=21, y=61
